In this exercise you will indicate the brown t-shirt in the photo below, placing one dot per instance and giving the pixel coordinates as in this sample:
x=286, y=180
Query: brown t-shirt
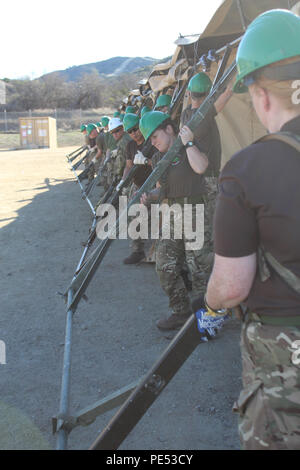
x=180, y=180
x=208, y=136
x=259, y=202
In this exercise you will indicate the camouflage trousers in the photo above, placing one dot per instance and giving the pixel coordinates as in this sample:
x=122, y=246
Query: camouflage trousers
x=211, y=183
x=269, y=404
x=88, y=161
x=138, y=245
x=115, y=168
x=173, y=255
x=110, y=172
x=97, y=166
x=105, y=172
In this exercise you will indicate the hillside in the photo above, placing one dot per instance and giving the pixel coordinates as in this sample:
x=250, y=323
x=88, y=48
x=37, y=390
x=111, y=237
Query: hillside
x=110, y=67
x=101, y=84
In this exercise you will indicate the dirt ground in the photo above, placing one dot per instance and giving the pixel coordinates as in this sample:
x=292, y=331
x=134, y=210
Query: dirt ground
x=115, y=341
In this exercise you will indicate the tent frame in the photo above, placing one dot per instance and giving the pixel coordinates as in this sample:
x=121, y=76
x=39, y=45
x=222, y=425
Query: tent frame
x=182, y=345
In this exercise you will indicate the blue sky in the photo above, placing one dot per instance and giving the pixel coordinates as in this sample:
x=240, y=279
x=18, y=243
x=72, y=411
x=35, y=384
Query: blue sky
x=44, y=36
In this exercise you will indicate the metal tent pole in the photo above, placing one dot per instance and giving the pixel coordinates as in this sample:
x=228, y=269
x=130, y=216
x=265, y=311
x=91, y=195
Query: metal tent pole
x=62, y=436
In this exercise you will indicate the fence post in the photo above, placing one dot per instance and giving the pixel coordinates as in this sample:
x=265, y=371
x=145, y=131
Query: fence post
x=5, y=121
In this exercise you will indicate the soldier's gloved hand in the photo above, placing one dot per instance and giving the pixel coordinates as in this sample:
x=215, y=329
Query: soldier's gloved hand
x=125, y=191
x=119, y=185
x=113, y=153
x=140, y=159
x=209, y=321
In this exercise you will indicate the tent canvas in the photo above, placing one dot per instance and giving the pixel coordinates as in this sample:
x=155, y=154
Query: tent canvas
x=227, y=18
x=226, y=25
x=238, y=123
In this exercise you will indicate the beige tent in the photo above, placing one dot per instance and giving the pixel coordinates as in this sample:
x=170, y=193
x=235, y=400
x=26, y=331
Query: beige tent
x=237, y=123
x=233, y=16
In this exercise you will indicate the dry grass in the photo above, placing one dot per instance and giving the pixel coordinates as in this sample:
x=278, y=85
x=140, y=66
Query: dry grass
x=65, y=119
x=68, y=125
x=9, y=141
x=64, y=139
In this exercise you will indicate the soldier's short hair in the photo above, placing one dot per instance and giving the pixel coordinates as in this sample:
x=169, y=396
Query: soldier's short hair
x=168, y=122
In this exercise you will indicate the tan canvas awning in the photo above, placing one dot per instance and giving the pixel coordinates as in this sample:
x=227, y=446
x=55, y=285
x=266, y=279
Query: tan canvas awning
x=232, y=15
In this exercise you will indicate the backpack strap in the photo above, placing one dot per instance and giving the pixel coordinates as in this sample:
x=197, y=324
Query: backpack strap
x=264, y=257
x=287, y=137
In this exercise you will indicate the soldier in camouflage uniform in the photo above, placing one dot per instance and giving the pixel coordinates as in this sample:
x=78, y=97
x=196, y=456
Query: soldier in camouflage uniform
x=208, y=136
x=138, y=152
x=183, y=184
x=92, y=134
x=116, y=164
x=257, y=232
x=163, y=103
x=83, y=131
x=105, y=144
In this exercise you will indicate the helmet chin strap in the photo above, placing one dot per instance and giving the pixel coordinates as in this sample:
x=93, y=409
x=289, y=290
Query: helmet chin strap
x=283, y=72
x=276, y=72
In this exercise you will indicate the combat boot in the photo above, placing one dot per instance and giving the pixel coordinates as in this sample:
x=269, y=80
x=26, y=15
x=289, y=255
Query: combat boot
x=173, y=322
x=135, y=257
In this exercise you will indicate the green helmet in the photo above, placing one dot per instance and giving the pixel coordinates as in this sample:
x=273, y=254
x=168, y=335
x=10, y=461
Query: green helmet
x=145, y=109
x=129, y=109
x=117, y=113
x=90, y=127
x=98, y=124
x=151, y=121
x=122, y=115
x=163, y=100
x=104, y=121
x=200, y=83
x=83, y=127
x=271, y=37
x=130, y=120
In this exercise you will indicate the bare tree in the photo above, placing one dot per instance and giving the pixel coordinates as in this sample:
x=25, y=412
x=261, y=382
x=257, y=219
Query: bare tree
x=89, y=91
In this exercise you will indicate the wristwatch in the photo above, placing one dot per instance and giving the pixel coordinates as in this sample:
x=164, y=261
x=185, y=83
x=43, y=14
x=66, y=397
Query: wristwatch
x=189, y=144
x=220, y=311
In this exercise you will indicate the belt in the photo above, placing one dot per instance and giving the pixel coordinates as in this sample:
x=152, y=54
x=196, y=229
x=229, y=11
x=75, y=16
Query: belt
x=275, y=321
x=184, y=200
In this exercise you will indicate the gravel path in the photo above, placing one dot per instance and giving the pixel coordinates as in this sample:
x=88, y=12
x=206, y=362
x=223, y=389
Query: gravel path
x=43, y=223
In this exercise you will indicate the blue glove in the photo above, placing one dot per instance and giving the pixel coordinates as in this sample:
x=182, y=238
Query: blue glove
x=209, y=322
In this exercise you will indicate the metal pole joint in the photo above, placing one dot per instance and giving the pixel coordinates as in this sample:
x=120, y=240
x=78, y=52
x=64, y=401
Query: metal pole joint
x=65, y=422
